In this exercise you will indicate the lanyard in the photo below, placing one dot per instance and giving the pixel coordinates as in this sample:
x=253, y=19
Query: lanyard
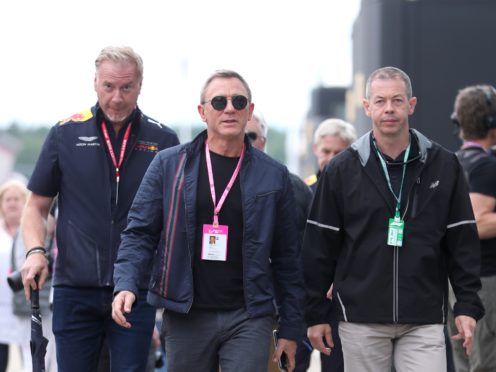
x=212, y=185
x=386, y=173
x=467, y=144
x=117, y=164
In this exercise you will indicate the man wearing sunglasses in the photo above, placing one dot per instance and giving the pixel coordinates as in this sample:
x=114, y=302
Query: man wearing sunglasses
x=218, y=298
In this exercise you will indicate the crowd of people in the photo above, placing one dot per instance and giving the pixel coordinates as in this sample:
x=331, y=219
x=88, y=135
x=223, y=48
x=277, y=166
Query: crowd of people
x=366, y=261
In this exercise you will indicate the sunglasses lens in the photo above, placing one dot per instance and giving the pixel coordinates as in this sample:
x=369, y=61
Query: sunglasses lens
x=252, y=136
x=239, y=102
x=219, y=103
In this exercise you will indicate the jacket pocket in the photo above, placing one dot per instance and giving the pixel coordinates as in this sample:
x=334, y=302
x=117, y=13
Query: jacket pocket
x=80, y=262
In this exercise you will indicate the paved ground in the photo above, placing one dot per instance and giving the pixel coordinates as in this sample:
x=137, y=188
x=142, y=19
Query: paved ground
x=314, y=362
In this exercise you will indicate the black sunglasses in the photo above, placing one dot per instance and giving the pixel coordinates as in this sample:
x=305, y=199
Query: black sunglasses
x=219, y=103
x=252, y=136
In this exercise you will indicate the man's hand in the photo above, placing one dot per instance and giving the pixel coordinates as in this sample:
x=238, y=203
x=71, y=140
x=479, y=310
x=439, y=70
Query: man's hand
x=36, y=264
x=287, y=347
x=121, y=305
x=317, y=334
x=466, y=328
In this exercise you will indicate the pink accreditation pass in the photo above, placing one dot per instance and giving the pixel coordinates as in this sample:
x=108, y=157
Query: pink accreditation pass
x=214, y=244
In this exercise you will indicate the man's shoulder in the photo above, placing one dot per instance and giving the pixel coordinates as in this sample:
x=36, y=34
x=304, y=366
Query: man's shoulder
x=264, y=160
x=77, y=118
x=174, y=152
x=154, y=125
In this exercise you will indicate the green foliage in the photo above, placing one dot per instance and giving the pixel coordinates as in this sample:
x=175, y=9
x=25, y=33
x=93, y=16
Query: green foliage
x=276, y=144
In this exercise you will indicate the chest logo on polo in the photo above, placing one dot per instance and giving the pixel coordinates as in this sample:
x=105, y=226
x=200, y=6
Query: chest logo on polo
x=434, y=184
x=146, y=146
x=88, y=141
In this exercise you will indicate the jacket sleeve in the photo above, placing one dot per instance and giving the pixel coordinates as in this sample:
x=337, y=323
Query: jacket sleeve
x=286, y=264
x=463, y=251
x=321, y=246
x=140, y=238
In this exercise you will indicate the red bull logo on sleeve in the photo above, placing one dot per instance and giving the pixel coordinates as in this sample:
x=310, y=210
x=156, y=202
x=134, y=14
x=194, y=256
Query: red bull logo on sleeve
x=79, y=117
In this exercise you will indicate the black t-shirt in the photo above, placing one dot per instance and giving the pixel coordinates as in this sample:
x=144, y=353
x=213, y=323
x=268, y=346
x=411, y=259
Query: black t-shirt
x=480, y=169
x=218, y=285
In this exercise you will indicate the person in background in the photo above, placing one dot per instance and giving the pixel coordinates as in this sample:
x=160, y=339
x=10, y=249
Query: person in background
x=330, y=138
x=256, y=130
x=22, y=308
x=219, y=298
x=12, y=200
x=475, y=115
x=94, y=162
x=390, y=222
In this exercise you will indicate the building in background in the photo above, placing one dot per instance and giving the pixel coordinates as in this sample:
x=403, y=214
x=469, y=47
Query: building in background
x=442, y=45
x=325, y=102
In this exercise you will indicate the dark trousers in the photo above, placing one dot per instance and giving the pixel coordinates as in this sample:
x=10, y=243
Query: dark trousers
x=331, y=363
x=4, y=357
x=82, y=319
x=203, y=340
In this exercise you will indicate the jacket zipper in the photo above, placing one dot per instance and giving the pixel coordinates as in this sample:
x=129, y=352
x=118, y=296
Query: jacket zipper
x=396, y=259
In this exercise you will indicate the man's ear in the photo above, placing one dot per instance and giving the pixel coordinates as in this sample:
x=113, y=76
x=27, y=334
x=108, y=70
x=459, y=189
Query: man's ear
x=366, y=106
x=201, y=111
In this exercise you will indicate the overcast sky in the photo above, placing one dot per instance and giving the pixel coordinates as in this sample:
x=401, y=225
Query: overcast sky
x=282, y=48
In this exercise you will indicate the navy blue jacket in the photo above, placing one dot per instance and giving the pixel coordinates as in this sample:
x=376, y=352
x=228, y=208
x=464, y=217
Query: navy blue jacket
x=75, y=165
x=162, y=223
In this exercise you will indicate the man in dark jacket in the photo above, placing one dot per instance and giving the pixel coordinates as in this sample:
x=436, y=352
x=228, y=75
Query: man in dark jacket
x=218, y=298
x=475, y=114
x=391, y=220
x=256, y=130
x=94, y=162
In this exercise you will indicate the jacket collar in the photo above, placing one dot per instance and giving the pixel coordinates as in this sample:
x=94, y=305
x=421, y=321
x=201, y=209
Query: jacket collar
x=196, y=144
x=362, y=146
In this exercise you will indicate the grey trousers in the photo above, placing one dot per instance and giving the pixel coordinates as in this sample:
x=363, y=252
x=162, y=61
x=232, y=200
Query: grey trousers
x=483, y=356
x=206, y=340
x=377, y=347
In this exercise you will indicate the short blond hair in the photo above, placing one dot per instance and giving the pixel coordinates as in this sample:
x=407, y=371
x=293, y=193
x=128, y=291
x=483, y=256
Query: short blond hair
x=120, y=54
x=12, y=184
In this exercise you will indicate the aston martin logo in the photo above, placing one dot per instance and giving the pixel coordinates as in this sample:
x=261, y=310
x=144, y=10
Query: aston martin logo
x=88, y=139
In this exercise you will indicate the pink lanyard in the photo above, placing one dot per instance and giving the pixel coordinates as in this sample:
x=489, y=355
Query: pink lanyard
x=117, y=165
x=467, y=144
x=212, y=185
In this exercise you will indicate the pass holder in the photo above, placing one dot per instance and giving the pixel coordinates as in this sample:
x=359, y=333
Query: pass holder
x=214, y=242
x=395, y=230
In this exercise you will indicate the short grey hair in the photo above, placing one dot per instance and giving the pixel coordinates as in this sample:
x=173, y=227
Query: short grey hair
x=335, y=127
x=386, y=73
x=121, y=54
x=258, y=116
x=224, y=74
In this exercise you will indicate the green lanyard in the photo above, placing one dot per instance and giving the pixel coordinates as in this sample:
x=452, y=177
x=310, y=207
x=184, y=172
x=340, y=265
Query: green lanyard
x=386, y=173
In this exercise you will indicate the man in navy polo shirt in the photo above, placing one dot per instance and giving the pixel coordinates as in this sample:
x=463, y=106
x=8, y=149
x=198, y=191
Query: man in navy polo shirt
x=93, y=162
